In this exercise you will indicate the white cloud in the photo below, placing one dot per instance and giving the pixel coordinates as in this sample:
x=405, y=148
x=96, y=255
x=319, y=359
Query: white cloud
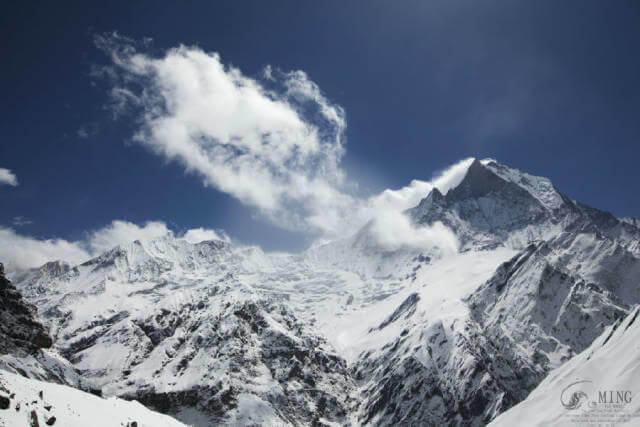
x=19, y=252
x=409, y=196
x=119, y=232
x=197, y=235
x=87, y=130
x=8, y=177
x=275, y=144
x=451, y=176
x=394, y=230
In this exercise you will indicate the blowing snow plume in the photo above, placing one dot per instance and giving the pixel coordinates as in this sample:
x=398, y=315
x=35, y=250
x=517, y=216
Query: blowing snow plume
x=393, y=229
x=274, y=142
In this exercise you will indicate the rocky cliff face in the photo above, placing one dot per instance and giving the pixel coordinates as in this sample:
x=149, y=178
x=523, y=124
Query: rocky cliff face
x=250, y=356
x=26, y=343
x=574, y=272
x=20, y=332
x=204, y=332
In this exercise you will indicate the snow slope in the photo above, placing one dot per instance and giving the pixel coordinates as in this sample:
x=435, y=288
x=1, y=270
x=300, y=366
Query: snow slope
x=612, y=362
x=60, y=405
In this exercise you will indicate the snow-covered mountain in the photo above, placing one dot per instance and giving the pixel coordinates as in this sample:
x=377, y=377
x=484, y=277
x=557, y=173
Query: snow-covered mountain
x=202, y=331
x=609, y=368
x=350, y=333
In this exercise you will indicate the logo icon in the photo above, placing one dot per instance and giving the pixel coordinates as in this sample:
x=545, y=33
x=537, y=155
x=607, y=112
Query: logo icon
x=572, y=397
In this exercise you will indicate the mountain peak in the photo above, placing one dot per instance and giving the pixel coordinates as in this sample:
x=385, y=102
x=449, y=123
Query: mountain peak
x=428, y=204
x=434, y=196
x=478, y=182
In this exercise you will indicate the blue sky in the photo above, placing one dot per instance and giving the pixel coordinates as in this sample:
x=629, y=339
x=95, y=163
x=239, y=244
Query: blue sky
x=547, y=87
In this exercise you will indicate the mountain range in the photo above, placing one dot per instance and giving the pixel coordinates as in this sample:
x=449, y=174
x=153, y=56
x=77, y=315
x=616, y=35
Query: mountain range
x=542, y=289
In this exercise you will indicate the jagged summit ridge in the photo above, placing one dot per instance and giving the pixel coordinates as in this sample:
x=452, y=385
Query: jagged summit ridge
x=497, y=205
x=485, y=210
x=539, y=187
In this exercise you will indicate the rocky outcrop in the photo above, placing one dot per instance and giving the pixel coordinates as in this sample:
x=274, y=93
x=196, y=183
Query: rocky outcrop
x=443, y=374
x=20, y=332
x=251, y=353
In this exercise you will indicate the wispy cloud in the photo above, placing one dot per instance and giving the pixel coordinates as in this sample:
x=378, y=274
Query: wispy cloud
x=274, y=142
x=123, y=231
x=409, y=196
x=18, y=252
x=87, y=130
x=7, y=177
x=197, y=235
x=393, y=229
x=19, y=221
x=389, y=225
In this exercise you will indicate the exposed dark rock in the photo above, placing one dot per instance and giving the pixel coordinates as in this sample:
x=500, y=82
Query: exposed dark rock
x=34, y=419
x=407, y=308
x=5, y=402
x=245, y=337
x=478, y=182
x=20, y=332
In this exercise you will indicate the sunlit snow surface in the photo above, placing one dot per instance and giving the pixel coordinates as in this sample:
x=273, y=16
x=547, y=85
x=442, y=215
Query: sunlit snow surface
x=70, y=407
x=612, y=362
x=441, y=288
x=98, y=311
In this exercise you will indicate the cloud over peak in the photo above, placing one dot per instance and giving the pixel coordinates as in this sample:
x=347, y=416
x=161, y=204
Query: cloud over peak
x=19, y=252
x=197, y=235
x=389, y=225
x=118, y=232
x=274, y=142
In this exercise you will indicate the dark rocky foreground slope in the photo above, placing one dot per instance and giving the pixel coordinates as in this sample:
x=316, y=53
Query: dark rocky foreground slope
x=20, y=333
